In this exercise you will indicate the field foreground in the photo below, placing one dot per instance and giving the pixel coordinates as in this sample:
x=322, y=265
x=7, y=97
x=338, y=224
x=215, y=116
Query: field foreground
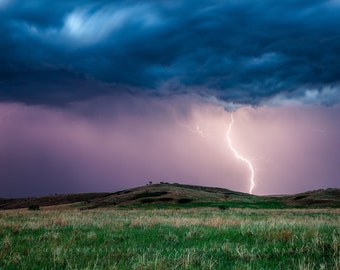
x=204, y=238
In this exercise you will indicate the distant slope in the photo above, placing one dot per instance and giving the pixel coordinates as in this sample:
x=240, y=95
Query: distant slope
x=178, y=195
x=49, y=200
x=323, y=197
x=172, y=194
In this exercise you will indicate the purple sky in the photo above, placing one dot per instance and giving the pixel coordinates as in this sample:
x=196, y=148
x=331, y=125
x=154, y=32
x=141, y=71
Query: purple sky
x=108, y=144
x=106, y=95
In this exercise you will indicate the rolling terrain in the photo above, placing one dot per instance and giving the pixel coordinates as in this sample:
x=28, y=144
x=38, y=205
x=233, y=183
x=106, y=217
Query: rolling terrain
x=172, y=226
x=166, y=195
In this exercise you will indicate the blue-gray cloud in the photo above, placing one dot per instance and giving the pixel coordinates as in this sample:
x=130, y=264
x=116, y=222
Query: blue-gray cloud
x=238, y=51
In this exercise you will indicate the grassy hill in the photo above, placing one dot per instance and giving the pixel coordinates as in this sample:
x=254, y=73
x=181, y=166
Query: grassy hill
x=167, y=195
x=142, y=228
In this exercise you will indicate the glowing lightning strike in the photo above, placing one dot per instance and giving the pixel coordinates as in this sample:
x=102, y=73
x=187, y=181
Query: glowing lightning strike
x=238, y=156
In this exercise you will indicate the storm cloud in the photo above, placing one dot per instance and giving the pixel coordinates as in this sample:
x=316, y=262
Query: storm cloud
x=107, y=95
x=245, y=52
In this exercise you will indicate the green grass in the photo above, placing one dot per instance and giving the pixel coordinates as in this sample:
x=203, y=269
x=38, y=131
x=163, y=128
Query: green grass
x=204, y=238
x=149, y=194
x=165, y=203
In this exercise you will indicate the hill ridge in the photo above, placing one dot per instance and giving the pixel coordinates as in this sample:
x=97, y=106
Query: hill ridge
x=179, y=195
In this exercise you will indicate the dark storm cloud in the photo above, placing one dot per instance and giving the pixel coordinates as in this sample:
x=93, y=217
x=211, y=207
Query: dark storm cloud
x=239, y=51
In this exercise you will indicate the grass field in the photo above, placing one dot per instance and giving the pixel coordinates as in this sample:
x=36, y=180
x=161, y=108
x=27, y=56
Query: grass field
x=202, y=238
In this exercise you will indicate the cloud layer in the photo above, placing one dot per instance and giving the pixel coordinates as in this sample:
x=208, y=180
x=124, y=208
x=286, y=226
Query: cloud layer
x=238, y=51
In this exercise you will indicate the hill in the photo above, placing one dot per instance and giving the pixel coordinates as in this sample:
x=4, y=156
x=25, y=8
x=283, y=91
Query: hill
x=51, y=200
x=167, y=195
x=320, y=198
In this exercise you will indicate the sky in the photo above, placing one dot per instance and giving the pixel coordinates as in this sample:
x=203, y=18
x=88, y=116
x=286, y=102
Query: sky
x=108, y=95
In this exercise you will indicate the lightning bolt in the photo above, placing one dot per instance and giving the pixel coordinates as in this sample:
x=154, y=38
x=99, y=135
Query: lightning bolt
x=238, y=156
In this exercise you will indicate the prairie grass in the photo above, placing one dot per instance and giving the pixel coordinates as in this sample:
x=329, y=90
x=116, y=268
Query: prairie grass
x=202, y=238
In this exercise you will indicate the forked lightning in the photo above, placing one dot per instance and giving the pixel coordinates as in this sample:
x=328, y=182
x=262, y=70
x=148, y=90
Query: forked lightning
x=238, y=156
